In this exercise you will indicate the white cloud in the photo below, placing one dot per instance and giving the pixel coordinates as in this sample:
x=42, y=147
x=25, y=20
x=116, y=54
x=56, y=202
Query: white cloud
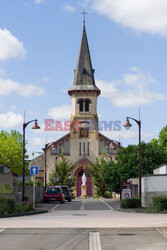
x=60, y=113
x=134, y=90
x=140, y=15
x=40, y=141
x=39, y=1
x=13, y=108
x=127, y=134
x=10, y=120
x=10, y=46
x=8, y=86
x=69, y=8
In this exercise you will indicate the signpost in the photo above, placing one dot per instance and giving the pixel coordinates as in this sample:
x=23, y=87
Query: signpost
x=126, y=189
x=34, y=170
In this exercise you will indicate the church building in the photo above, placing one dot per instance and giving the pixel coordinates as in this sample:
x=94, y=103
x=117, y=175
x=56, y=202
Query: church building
x=84, y=143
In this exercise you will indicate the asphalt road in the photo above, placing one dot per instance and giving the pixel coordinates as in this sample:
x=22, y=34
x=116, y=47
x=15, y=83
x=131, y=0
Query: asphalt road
x=84, y=224
x=82, y=239
x=81, y=204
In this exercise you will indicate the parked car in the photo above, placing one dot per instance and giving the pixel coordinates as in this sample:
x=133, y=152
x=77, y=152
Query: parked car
x=54, y=193
x=67, y=192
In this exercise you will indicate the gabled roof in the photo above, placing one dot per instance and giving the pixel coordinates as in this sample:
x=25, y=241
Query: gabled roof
x=84, y=73
x=55, y=142
x=110, y=140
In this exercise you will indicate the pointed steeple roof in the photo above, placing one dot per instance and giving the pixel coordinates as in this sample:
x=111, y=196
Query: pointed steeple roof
x=84, y=73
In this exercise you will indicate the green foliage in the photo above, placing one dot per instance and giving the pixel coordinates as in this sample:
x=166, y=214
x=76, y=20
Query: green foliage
x=11, y=148
x=159, y=203
x=96, y=171
x=7, y=205
x=6, y=189
x=127, y=165
x=130, y=203
x=63, y=172
x=10, y=206
x=163, y=138
x=30, y=183
x=107, y=194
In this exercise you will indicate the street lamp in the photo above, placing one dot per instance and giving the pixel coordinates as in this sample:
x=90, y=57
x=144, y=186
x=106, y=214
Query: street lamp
x=112, y=144
x=127, y=125
x=23, y=176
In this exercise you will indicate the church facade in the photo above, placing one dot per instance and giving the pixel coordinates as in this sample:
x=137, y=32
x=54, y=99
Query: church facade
x=84, y=143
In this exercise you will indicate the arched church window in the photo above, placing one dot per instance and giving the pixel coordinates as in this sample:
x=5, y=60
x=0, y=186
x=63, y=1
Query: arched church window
x=87, y=102
x=81, y=106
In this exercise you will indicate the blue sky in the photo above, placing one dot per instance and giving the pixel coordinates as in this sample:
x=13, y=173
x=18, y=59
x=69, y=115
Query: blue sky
x=39, y=44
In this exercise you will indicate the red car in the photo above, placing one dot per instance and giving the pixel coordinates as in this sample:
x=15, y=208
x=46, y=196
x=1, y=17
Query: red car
x=54, y=193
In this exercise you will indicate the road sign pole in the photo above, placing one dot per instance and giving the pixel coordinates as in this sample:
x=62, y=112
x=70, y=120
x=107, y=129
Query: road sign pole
x=33, y=191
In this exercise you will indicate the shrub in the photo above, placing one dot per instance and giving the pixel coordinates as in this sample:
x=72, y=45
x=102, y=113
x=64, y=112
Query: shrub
x=131, y=203
x=10, y=206
x=159, y=203
x=7, y=205
x=107, y=194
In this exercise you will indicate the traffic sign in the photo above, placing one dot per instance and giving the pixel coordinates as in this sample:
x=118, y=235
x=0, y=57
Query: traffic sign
x=126, y=193
x=34, y=170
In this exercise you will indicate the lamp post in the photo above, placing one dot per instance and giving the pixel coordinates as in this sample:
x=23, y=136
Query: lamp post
x=112, y=144
x=23, y=174
x=127, y=125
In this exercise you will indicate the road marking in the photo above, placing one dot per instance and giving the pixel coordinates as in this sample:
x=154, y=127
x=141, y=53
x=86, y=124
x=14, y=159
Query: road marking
x=82, y=207
x=94, y=241
x=2, y=230
x=54, y=208
x=111, y=208
x=162, y=230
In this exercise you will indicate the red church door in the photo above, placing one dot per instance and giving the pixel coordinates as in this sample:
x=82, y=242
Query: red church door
x=88, y=183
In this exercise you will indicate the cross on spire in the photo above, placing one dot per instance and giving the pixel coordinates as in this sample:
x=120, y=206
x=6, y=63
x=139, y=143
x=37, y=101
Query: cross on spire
x=84, y=14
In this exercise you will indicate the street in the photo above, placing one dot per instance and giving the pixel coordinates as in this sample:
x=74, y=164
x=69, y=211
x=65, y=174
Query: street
x=84, y=224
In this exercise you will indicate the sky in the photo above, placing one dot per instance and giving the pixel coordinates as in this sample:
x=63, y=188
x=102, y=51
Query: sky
x=39, y=45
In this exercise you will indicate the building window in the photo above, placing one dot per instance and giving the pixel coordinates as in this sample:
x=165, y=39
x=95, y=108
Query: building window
x=87, y=102
x=83, y=105
x=88, y=148
x=80, y=149
x=59, y=150
x=108, y=150
x=81, y=108
x=84, y=147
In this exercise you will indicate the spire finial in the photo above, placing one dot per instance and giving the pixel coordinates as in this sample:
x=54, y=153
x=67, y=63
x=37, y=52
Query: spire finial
x=84, y=13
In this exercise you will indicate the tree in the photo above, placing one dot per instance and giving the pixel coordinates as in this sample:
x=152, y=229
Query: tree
x=96, y=171
x=127, y=165
x=11, y=148
x=163, y=138
x=62, y=171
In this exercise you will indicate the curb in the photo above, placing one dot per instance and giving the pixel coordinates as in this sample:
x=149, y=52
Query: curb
x=24, y=214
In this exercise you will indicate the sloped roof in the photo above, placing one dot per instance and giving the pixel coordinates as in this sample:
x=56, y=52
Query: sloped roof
x=84, y=73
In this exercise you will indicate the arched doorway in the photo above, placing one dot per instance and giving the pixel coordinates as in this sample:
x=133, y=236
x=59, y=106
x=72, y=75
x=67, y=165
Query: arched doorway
x=88, y=183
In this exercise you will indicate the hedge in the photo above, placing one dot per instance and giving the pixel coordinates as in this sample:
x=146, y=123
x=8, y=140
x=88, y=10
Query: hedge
x=159, y=203
x=8, y=205
x=131, y=203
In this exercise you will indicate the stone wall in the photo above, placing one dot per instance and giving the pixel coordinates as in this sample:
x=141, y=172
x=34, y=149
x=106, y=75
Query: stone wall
x=29, y=193
x=8, y=185
x=152, y=186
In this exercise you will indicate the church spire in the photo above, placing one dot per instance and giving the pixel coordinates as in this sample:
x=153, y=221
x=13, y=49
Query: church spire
x=84, y=73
